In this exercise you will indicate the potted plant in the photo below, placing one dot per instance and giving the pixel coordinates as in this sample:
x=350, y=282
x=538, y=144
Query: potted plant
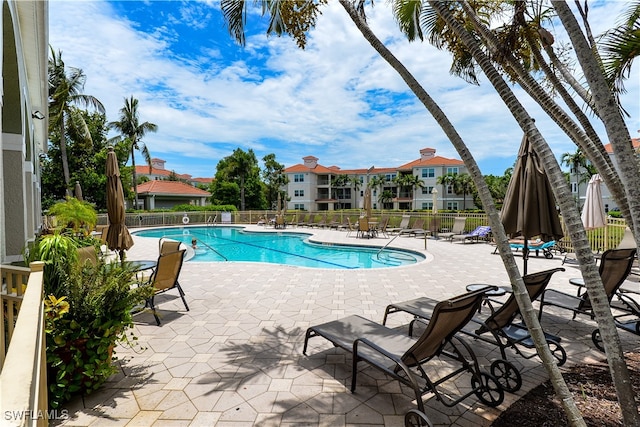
x=88, y=307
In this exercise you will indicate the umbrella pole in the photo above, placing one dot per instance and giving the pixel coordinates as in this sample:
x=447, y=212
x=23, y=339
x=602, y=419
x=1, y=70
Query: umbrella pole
x=525, y=256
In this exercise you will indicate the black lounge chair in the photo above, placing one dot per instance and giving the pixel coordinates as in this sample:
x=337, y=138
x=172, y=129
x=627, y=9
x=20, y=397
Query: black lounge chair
x=629, y=320
x=498, y=329
x=615, y=267
x=403, y=357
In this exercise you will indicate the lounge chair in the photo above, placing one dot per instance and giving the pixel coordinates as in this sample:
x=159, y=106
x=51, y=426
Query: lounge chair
x=614, y=270
x=496, y=329
x=404, y=358
x=481, y=232
x=165, y=278
x=303, y=221
x=534, y=245
x=416, y=227
x=458, y=227
x=627, y=242
x=404, y=224
x=629, y=305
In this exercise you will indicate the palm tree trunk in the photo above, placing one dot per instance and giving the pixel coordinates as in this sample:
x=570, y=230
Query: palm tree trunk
x=485, y=195
x=629, y=170
x=134, y=177
x=64, y=157
x=570, y=215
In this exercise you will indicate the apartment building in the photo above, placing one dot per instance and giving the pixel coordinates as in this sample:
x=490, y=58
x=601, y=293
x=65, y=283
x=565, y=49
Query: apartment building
x=25, y=49
x=314, y=187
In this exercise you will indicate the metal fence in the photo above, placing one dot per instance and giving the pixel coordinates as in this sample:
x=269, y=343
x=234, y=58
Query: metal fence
x=601, y=239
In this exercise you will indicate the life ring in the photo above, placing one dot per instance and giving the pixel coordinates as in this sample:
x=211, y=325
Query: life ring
x=185, y=220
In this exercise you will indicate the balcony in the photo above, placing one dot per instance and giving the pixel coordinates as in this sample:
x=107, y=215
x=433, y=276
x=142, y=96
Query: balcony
x=23, y=375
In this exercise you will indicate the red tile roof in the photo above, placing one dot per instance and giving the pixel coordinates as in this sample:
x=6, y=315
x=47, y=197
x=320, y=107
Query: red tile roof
x=434, y=161
x=144, y=170
x=170, y=188
x=634, y=141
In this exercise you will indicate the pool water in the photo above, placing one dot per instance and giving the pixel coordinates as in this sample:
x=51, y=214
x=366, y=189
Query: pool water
x=219, y=243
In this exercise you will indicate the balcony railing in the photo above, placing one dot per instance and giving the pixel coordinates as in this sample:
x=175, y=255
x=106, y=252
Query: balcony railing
x=23, y=378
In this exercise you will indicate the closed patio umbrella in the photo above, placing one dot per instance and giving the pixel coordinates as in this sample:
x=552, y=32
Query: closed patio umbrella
x=78, y=191
x=593, y=215
x=529, y=209
x=367, y=201
x=118, y=237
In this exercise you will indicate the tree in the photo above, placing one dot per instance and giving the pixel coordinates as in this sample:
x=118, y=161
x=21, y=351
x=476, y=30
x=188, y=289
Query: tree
x=385, y=197
x=133, y=131
x=87, y=161
x=274, y=178
x=377, y=182
x=241, y=167
x=577, y=163
x=339, y=181
x=65, y=87
x=463, y=184
x=446, y=181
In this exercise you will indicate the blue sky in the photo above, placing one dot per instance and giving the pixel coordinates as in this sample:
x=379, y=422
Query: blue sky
x=336, y=100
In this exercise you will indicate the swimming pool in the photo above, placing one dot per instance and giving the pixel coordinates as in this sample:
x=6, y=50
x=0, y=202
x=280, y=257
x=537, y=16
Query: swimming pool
x=220, y=243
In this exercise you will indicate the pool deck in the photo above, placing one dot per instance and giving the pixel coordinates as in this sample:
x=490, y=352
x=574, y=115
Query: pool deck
x=235, y=359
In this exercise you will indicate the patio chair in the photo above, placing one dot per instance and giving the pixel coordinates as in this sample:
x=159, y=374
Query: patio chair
x=614, y=269
x=627, y=242
x=87, y=254
x=405, y=358
x=404, y=224
x=382, y=227
x=364, y=230
x=167, y=245
x=165, y=278
x=629, y=320
x=303, y=221
x=458, y=227
x=481, y=231
x=497, y=329
x=416, y=227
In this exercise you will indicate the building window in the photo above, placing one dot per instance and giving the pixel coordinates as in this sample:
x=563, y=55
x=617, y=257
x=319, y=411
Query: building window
x=298, y=206
x=450, y=189
x=427, y=190
x=427, y=205
x=452, y=206
x=298, y=193
x=389, y=177
x=429, y=173
x=298, y=177
x=452, y=170
x=574, y=187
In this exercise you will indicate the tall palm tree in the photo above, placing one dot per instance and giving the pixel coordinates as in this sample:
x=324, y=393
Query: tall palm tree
x=65, y=91
x=621, y=46
x=446, y=180
x=577, y=163
x=133, y=131
x=463, y=184
x=339, y=181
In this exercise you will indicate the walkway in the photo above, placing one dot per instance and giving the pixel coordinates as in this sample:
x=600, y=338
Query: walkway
x=236, y=358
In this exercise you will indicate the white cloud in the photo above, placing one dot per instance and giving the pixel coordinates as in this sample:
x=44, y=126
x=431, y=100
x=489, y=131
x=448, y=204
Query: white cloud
x=274, y=97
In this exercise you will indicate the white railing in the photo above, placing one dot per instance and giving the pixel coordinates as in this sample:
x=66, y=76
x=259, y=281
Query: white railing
x=23, y=378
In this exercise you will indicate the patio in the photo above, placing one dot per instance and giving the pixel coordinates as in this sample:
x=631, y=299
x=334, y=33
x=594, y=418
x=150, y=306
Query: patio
x=236, y=358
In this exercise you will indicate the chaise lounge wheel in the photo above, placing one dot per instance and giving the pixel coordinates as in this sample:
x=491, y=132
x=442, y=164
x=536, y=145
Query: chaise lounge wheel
x=507, y=375
x=557, y=351
x=548, y=255
x=415, y=418
x=487, y=388
x=597, y=339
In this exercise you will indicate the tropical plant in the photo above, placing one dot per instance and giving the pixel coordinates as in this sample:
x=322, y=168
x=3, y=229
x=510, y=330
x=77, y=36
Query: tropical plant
x=75, y=216
x=242, y=168
x=87, y=311
x=132, y=131
x=338, y=181
x=463, y=184
x=65, y=87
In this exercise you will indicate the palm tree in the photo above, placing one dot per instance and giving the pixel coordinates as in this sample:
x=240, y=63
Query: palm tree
x=65, y=91
x=445, y=180
x=385, y=197
x=577, y=163
x=463, y=184
x=133, y=131
x=338, y=181
x=621, y=46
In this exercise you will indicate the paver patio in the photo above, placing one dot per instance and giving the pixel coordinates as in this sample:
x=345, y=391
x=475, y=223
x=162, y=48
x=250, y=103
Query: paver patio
x=236, y=358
